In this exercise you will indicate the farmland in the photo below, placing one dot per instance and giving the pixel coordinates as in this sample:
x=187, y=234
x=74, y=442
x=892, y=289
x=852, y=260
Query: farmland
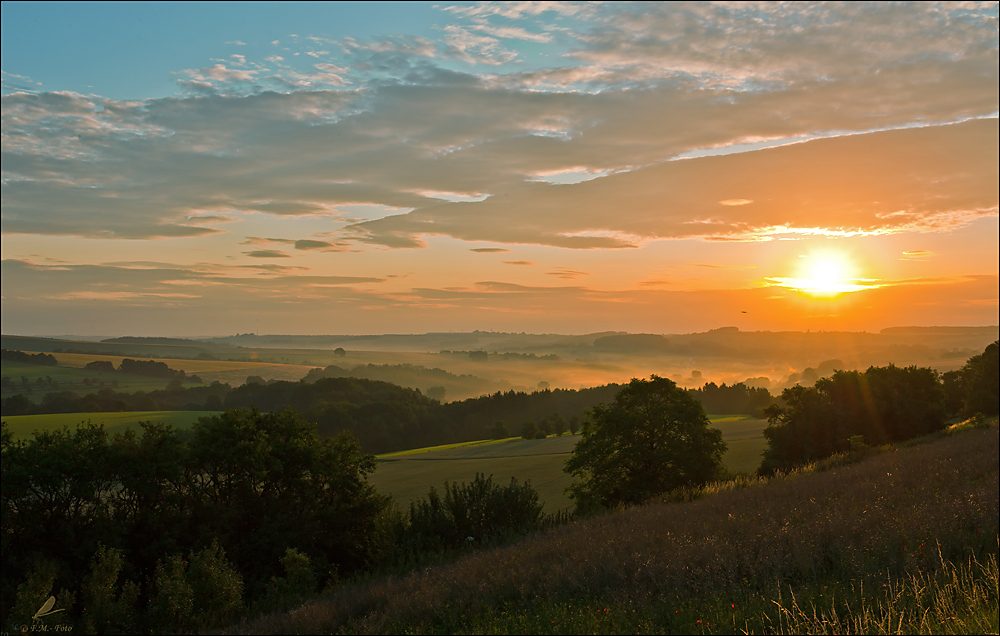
x=409, y=475
x=22, y=426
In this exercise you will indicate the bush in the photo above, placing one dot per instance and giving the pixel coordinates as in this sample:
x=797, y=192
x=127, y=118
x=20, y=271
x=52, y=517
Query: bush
x=298, y=583
x=108, y=609
x=205, y=593
x=481, y=510
x=498, y=431
x=529, y=430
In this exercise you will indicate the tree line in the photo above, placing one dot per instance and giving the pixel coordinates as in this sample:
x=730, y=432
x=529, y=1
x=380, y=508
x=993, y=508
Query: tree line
x=383, y=416
x=882, y=405
x=44, y=359
x=167, y=531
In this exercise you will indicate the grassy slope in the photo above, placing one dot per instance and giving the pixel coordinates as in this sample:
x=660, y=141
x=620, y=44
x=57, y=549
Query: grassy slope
x=409, y=475
x=22, y=426
x=903, y=541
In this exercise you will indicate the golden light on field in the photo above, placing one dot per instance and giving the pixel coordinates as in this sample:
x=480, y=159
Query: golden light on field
x=826, y=275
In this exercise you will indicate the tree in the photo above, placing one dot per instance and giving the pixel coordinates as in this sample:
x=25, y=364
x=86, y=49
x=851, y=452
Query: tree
x=529, y=430
x=339, y=352
x=981, y=378
x=883, y=404
x=653, y=438
x=498, y=431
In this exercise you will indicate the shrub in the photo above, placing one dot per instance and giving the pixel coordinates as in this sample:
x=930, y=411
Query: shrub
x=205, y=593
x=529, y=430
x=298, y=583
x=108, y=608
x=486, y=512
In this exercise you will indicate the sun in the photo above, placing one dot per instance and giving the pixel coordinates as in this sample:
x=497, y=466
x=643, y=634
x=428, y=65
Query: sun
x=825, y=275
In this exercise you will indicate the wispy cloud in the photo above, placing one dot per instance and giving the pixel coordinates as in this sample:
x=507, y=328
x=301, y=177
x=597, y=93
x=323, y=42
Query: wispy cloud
x=824, y=187
x=266, y=254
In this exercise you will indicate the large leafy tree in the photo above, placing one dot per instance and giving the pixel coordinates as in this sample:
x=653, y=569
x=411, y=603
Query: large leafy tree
x=654, y=437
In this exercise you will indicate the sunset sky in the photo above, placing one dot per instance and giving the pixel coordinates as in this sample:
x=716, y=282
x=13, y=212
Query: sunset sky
x=206, y=169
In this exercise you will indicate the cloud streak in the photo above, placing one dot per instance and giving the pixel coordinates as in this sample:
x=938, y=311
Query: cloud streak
x=918, y=179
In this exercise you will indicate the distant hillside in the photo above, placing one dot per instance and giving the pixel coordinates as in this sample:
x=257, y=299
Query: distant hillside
x=633, y=342
x=436, y=383
x=427, y=342
x=156, y=341
x=988, y=331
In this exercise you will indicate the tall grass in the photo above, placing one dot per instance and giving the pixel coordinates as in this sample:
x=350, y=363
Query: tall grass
x=905, y=540
x=956, y=599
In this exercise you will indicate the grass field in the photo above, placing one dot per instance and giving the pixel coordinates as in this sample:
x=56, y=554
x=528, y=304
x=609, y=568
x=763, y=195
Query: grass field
x=233, y=372
x=70, y=373
x=409, y=475
x=71, y=378
x=22, y=426
x=900, y=540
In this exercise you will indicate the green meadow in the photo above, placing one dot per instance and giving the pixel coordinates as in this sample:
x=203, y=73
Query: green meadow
x=409, y=475
x=70, y=378
x=23, y=426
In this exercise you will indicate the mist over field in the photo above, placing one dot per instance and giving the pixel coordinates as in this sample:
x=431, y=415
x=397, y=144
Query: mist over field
x=527, y=362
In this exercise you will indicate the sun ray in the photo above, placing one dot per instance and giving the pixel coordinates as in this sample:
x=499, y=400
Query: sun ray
x=825, y=275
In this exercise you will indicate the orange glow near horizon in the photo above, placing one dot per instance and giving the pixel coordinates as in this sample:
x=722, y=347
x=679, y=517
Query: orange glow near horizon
x=826, y=275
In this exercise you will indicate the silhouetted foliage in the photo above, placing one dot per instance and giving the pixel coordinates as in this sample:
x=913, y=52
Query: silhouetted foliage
x=529, y=430
x=732, y=399
x=882, y=404
x=29, y=358
x=981, y=381
x=498, y=431
x=653, y=438
x=150, y=368
x=198, y=522
x=479, y=512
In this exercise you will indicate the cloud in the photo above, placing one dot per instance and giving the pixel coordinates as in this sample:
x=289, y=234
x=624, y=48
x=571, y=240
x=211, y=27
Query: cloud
x=261, y=241
x=18, y=83
x=566, y=273
x=383, y=122
x=919, y=179
x=266, y=254
x=489, y=250
x=310, y=244
x=518, y=263
x=752, y=44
